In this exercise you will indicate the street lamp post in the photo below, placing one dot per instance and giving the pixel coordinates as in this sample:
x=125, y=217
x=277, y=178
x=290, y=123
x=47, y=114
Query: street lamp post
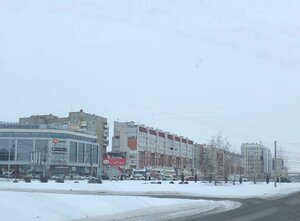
x=91, y=160
x=44, y=161
x=8, y=164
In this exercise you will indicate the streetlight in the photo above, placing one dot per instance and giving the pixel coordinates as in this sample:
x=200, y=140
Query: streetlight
x=8, y=165
x=44, y=161
x=91, y=160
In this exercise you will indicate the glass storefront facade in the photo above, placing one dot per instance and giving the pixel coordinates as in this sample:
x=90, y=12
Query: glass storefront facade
x=33, y=149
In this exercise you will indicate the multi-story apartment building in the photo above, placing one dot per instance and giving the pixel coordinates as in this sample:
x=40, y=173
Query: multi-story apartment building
x=257, y=159
x=76, y=121
x=220, y=162
x=147, y=147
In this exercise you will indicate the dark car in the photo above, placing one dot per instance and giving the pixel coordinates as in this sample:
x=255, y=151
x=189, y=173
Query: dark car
x=59, y=180
x=103, y=177
x=284, y=180
x=190, y=178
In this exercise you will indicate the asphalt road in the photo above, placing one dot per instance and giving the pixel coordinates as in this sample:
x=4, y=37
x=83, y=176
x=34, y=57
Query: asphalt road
x=282, y=209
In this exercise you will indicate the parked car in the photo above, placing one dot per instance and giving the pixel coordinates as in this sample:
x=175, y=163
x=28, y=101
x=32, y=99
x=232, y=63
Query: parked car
x=104, y=177
x=77, y=177
x=284, y=180
x=190, y=178
x=168, y=178
x=59, y=180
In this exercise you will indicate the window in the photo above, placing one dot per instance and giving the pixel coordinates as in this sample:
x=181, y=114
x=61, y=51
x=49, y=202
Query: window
x=80, y=158
x=88, y=153
x=24, y=150
x=95, y=153
x=5, y=151
x=42, y=147
x=73, y=152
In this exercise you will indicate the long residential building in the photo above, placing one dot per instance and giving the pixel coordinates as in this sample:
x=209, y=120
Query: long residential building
x=257, y=160
x=147, y=147
x=33, y=148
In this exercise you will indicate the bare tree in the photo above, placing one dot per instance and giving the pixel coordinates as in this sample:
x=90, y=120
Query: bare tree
x=219, y=157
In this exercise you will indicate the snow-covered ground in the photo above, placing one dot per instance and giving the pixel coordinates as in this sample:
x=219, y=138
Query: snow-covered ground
x=24, y=206
x=55, y=201
x=245, y=190
x=118, y=200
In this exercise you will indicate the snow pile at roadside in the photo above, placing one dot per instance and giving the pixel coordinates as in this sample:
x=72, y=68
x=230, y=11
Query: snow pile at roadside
x=245, y=190
x=23, y=206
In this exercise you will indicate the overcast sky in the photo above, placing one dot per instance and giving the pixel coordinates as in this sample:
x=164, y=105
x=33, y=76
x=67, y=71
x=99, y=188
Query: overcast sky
x=195, y=68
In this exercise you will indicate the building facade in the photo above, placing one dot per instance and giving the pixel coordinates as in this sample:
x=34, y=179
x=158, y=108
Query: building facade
x=257, y=160
x=76, y=121
x=35, y=148
x=198, y=157
x=147, y=147
x=219, y=162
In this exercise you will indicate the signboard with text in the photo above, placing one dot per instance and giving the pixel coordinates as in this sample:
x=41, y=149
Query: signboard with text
x=114, y=159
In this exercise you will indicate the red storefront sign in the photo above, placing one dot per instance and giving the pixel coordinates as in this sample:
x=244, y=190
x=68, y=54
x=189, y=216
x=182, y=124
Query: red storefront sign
x=114, y=161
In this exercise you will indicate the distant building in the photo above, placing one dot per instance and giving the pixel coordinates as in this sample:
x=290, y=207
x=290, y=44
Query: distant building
x=76, y=121
x=147, y=147
x=257, y=160
x=279, y=168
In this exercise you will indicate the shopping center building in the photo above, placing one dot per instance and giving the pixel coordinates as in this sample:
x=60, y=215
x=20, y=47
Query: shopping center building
x=33, y=148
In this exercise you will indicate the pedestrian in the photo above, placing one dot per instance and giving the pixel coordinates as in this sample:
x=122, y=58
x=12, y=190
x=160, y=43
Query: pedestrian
x=182, y=177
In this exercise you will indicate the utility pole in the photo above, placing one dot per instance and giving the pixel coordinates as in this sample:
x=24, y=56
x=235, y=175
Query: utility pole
x=275, y=162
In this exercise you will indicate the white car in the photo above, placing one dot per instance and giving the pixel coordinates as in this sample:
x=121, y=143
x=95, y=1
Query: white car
x=168, y=178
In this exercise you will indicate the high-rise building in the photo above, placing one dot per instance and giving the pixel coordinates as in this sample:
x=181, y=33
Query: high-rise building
x=257, y=160
x=147, y=147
